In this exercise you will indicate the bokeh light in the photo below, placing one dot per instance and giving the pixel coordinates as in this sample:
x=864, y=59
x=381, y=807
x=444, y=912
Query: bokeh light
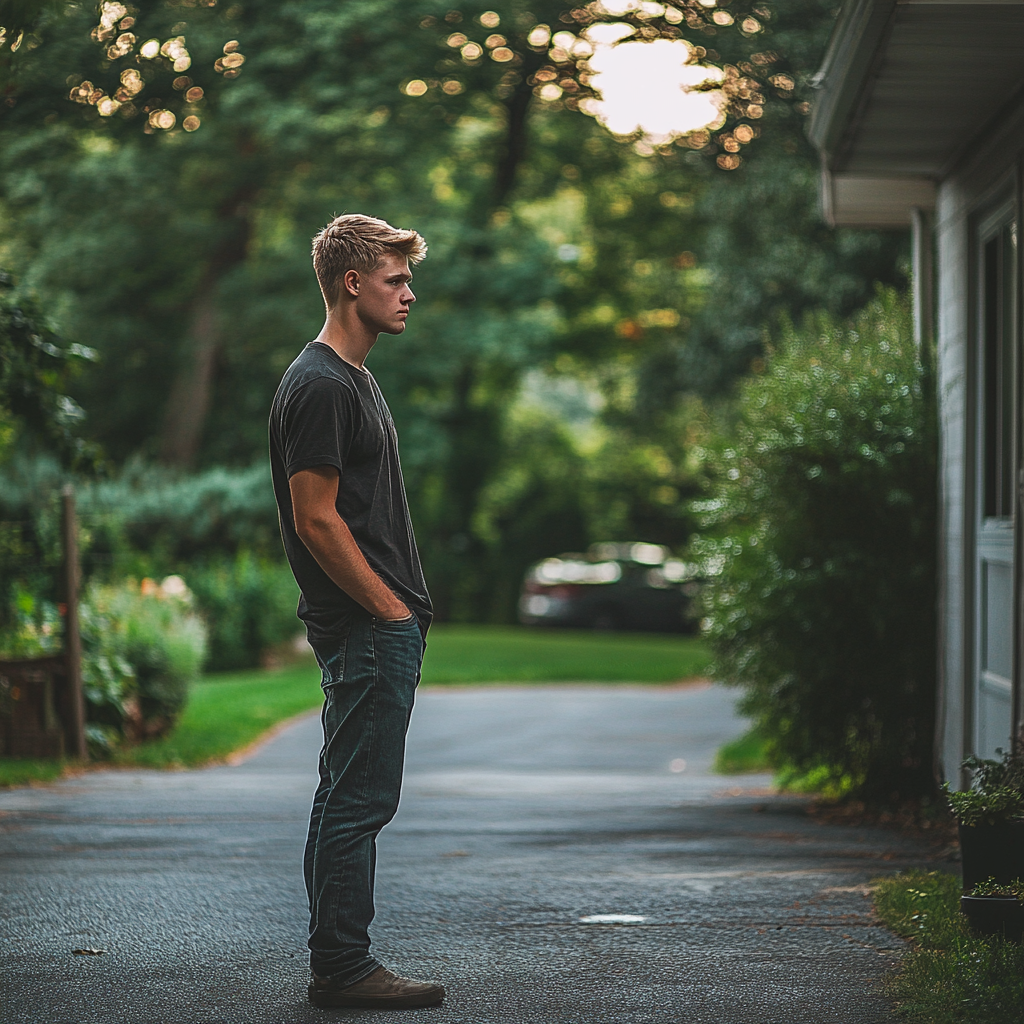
x=163, y=119
x=647, y=87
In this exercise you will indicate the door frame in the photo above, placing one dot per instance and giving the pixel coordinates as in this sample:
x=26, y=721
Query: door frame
x=1002, y=204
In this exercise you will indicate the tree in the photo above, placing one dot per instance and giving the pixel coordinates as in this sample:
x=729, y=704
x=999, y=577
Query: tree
x=182, y=256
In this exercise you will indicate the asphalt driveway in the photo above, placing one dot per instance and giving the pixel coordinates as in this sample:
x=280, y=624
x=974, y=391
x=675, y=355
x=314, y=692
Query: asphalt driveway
x=526, y=812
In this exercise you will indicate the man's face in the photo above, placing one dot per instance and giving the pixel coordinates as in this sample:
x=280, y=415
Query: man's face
x=384, y=296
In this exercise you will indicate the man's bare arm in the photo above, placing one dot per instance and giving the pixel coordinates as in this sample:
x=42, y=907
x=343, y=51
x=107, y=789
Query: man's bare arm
x=314, y=492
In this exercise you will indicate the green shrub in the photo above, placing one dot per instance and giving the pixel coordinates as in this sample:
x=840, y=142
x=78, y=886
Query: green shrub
x=181, y=518
x=143, y=646
x=33, y=627
x=249, y=605
x=820, y=553
x=109, y=683
x=996, y=794
x=145, y=520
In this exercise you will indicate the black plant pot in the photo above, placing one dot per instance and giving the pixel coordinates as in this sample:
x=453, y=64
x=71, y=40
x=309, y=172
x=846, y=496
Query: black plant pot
x=994, y=915
x=992, y=851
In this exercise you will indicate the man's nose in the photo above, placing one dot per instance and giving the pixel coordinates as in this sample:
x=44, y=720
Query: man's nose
x=408, y=298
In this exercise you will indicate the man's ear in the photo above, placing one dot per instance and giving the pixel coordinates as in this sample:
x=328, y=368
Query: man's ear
x=350, y=283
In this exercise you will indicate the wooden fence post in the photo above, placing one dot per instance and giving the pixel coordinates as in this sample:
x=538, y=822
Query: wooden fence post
x=72, y=638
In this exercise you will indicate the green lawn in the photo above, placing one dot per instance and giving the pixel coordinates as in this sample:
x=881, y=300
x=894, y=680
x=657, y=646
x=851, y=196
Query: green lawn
x=228, y=711
x=20, y=771
x=950, y=976
x=514, y=654
x=746, y=753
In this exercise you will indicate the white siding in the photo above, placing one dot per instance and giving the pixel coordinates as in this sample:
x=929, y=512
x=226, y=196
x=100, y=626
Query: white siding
x=985, y=172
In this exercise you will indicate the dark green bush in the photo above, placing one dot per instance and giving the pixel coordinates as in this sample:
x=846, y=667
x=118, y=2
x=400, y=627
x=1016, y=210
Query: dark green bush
x=148, y=520
x=249, y=605
x=181, y=518
x=820, y=551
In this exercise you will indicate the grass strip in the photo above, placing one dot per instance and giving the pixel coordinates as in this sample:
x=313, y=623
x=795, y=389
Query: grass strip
x=743, y=755
x=510, y=654
x=20, y=771
x=228, y=711
x=950, y=976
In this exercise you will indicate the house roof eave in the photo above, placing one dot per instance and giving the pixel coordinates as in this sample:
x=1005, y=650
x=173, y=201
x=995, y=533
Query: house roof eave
x=852, y=53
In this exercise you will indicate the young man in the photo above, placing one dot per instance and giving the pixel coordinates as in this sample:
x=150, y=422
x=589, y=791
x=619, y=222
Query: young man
x=349, y=540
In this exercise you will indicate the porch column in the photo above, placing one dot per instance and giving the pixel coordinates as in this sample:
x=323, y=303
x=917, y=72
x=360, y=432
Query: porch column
x=922, y=244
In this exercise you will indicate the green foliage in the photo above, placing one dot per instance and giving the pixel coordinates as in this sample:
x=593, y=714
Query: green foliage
x=820, y=552
x=109, y=681
x=21, y=771
x=145, y=647
x=249, y=606
x=555, y=249
x=35, y=629
x=990, y=808
x=922, y=906
x=746, y=753
x=145, y=519
x=950, y=976
x=218, y=528
x=35, y=368
x=177, y=518
x=30, y=559
x=996, y=794
x=532, y=507
x=990, y=887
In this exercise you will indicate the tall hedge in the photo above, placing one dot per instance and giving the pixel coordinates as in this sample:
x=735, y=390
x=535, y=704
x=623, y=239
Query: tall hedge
x=819, y=544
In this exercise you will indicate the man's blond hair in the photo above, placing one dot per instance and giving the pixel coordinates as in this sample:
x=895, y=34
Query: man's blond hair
x=354, y=241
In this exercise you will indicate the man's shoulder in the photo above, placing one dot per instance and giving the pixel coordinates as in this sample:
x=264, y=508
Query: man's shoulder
x=316, y=369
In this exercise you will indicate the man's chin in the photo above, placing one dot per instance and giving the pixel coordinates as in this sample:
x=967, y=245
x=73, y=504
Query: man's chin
x=398, y=328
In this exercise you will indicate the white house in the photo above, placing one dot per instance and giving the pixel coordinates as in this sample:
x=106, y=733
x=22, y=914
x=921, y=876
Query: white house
x=919, y=120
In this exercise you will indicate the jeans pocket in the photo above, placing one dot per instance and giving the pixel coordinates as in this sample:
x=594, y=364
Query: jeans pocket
x=409, y=620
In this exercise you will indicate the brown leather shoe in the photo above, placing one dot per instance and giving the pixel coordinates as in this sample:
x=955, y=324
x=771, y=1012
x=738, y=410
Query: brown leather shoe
x=381, y=990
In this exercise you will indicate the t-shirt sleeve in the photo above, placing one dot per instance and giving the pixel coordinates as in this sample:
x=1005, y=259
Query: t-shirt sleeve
x=318, y=425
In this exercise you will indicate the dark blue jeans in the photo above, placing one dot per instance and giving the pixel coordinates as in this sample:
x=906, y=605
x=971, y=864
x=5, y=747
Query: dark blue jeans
x=369, y=681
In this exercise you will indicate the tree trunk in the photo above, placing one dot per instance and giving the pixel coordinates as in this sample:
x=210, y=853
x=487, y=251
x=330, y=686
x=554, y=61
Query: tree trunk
x=189, y=401
x=191, y=393
x=517, y=107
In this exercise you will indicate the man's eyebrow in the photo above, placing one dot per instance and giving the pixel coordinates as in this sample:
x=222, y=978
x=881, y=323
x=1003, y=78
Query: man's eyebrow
x=395, y=277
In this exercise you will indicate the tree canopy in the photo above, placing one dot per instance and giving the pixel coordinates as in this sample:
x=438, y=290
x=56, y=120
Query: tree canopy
x=580, y=289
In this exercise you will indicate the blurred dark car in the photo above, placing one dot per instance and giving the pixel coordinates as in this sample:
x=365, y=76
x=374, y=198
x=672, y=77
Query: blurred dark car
x=613, y=586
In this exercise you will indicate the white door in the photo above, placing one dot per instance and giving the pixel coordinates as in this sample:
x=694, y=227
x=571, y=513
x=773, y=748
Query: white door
x=997, y=458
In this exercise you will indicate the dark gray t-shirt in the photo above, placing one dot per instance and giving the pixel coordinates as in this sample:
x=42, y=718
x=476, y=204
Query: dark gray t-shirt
x=329, y=413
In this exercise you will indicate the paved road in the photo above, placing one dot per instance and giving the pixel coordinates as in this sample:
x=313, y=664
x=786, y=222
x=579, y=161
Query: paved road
x=524, y=811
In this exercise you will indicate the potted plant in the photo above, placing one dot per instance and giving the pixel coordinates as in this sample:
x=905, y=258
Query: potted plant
x=990, y=817
x=996, y=908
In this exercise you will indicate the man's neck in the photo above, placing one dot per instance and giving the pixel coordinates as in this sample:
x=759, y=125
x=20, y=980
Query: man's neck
x=351, y=341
